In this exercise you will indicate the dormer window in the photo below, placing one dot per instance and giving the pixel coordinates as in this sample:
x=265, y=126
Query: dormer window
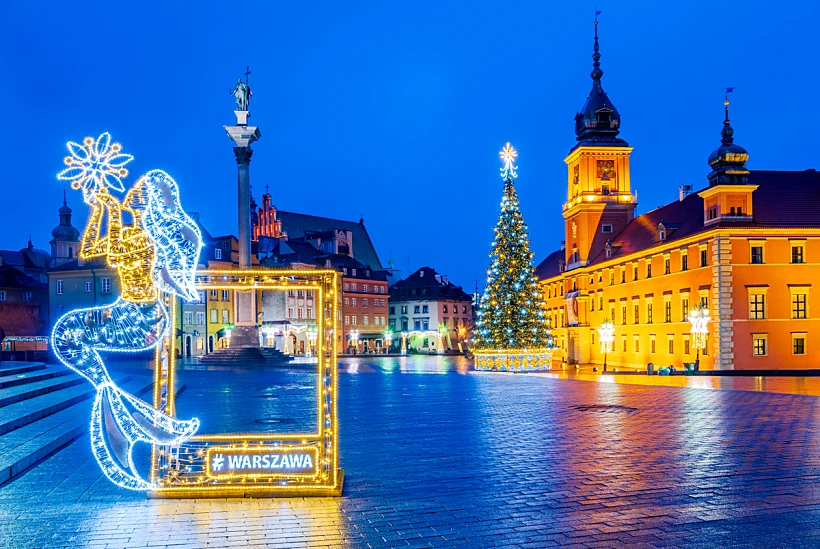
x=662, y=234
x=608, y=250
x=603, y=117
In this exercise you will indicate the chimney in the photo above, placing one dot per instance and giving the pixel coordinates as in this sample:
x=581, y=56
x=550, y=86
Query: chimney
x=684, y=191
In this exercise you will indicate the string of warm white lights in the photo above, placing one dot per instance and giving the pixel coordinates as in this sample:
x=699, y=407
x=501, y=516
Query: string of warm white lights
x=157, y=251
x=510, y=320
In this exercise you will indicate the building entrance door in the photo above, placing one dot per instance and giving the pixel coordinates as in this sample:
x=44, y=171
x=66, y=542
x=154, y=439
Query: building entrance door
x=187, y=345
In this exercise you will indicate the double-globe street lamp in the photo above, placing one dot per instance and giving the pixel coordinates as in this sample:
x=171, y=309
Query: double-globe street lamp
x=699, y=317
x=607, y=335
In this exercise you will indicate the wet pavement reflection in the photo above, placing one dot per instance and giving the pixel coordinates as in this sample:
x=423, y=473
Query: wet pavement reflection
x=437, y=455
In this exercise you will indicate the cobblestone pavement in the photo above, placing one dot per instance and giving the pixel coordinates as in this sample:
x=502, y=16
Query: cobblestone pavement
x=476, y=460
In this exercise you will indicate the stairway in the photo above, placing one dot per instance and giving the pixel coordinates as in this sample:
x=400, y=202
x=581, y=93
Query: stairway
x=43, y=408
x=245, y=356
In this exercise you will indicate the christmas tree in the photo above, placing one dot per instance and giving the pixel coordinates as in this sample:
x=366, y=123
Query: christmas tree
x=511, y=312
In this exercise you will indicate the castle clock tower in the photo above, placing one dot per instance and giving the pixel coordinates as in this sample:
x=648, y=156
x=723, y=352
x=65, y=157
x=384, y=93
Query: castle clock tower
x=599, y=197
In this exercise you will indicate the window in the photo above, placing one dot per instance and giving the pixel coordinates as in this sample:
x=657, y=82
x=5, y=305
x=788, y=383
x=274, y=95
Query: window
x=416, y=309
x=670, y=343
x=662, y=235
x=634, y=272
x=417, y=325
x=354, y=274
x=684, y=262
x=612, y=313
x=226, y=318
x=365, y=320
x=686, y=347
x=703, y=261
x=2, y=295
x=347, y=301
x=649, y=313
x=652, y=344
x=291, y=293
x=365, y=302
x=600, y=303
x=213, y=295
x=353, y=286
x=607, y=228
x=757, y=306
x=353, y=301
x=623, y=343
x=648, y=269
x=200, y=317
x=667, y=311
x=309, y=293
x=217, y=253
x=226, y=295
x=798, y=344
x=404, y=309
x=27, y=296
x=611, y=278
x=637, y=341
x=88, y=287
x=760, y=344
x=364, y=287
x=392, y=310
x=425, y=324
x=685, y=308
x=797, y=254
x=344, y=269
x=757, y=254
x=347, y=320
x=59, y=287
x=425, y=309
x=799, y=305
x=623, y=275
x=106, y=285
x=189, y=317
x=444, y=308
x=290, y=312
x=667, y=266
x=213, y=316
x=381, y=303
x=637, y=314
x=347, y=286
x=623, y=314
x=353, y=320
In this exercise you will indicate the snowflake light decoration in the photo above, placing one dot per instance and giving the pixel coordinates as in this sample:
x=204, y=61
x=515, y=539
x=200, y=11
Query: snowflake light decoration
x=95, y=163
x=508, y=155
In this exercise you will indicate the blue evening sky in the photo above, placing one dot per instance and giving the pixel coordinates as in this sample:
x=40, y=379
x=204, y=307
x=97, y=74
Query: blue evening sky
x=396, y=110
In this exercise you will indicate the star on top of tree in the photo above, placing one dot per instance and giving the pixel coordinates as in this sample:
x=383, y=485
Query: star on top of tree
x=508, y=155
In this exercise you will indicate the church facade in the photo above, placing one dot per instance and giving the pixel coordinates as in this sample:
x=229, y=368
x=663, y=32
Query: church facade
x=746, y=247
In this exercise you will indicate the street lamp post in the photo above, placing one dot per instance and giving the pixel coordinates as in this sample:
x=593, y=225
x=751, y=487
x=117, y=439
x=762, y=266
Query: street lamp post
x=312, y=335
x=354, y=340
x=699, y=318
x=388, y=339
x=607, y=335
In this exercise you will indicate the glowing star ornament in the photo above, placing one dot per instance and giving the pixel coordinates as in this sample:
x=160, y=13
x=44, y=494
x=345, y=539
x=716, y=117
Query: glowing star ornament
x=508, y=155
x=95, y=163
x=157, y=251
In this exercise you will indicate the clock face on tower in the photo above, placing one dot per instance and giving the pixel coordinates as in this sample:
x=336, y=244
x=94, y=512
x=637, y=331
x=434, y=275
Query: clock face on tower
x=606, y=168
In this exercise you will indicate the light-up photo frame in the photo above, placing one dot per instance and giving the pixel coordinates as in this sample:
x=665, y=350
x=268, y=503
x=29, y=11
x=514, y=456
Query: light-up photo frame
x=255, y=462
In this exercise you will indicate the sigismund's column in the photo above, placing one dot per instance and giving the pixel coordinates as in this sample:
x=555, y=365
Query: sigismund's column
x=245, y=332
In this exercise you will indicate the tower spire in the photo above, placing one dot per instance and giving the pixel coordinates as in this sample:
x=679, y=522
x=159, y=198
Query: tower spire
x=727, y=132
x=596, y=73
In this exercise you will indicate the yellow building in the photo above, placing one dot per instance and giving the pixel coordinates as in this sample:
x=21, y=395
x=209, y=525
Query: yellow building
x=746, y=247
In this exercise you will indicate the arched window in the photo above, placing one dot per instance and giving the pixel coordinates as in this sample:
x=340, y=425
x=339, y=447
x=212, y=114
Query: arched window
x=70, y=252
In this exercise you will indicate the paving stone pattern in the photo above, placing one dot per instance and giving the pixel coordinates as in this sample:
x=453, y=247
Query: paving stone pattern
x=482, y=460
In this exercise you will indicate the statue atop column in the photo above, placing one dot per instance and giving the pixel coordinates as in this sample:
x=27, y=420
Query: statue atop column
x=242, y=92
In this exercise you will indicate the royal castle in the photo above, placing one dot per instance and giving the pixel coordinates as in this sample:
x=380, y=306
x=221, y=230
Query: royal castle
x=746, y=245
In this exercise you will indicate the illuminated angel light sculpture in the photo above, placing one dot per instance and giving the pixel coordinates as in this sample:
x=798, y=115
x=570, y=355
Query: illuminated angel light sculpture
x=156, y=251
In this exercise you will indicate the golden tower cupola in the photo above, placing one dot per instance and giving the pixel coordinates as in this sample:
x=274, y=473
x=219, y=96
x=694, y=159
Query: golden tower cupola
x=599, y=197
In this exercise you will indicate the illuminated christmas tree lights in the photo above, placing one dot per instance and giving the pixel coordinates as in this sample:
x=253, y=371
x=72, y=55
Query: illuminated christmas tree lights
x=511, y=316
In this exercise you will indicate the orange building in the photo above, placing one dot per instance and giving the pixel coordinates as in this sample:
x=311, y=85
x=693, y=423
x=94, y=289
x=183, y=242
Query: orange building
x=747, y=247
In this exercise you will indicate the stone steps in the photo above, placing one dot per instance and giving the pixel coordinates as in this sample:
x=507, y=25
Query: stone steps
x=19, y=393
x=42, y=374
x=39, y=406
x=14, y=368
x=26, y=446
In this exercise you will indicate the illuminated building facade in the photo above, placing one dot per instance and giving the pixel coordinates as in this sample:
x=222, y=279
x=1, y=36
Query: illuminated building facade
x=747, y=247
x=436, y=314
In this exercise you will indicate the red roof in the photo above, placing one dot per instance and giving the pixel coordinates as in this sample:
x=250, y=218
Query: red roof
x=783, y=199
